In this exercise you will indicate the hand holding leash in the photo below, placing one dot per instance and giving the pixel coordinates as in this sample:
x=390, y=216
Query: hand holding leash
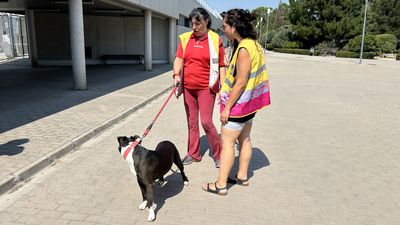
x=178, y=85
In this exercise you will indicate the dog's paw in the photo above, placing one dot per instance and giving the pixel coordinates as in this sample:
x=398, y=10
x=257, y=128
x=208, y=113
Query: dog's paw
x=143, y=205
x=152, y=215
x=186, y=183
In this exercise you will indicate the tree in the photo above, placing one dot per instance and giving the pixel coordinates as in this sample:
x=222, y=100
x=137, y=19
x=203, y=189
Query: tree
x=315, y=21
x=277, y=18
x=385, y=17
x=282, y=36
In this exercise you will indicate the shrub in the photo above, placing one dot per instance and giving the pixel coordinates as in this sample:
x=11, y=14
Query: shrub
x=292, y=44
x=370, y=44
x=386, y=43
x=370, y=55
x=263, y=37
x=269, y=46
x=317, y=53
x=292, y=51
x=282, y=36
x=326, y=48
x=348, y=54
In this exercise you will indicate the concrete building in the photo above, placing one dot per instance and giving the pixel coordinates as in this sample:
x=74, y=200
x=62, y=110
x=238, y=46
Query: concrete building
x=81, y=32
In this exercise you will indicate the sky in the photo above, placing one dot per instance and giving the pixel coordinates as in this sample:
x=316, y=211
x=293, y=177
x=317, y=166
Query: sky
x=224, y=5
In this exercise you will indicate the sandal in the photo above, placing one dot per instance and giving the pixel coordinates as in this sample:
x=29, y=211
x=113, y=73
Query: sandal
x=218, y=191
x=244, y=182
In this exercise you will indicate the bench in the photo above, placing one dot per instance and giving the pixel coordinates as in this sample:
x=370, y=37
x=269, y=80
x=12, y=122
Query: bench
x=139, y=58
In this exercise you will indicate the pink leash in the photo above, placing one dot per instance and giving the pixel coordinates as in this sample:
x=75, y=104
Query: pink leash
x=159, y=112
x=136, y=142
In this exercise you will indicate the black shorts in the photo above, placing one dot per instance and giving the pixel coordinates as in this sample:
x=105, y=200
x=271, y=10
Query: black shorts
x=242, y=119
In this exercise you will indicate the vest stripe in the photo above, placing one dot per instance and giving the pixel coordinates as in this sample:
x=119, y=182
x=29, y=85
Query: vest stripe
x=252, y=75
x=248, y=95
x=260, y=70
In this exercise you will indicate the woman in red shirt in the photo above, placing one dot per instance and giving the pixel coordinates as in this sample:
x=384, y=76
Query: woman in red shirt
x=200, y=53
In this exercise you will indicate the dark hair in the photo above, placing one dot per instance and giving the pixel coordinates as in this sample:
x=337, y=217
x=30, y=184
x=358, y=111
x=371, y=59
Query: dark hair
x=200, y=14
x=241, y=19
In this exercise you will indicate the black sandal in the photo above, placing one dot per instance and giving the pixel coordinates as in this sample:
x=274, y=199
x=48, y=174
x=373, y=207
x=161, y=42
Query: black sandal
x=244, y=182
x=218, y=191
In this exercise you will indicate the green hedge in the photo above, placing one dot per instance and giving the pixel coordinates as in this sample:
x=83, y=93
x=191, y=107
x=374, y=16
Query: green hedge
x=370, y=44
x=347, y=54
x=292, y=44
x=386, y=43
x=293, y=51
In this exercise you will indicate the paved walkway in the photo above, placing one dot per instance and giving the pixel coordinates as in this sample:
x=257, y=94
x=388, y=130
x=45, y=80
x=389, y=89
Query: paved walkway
x=325, y=152
x=42, y=118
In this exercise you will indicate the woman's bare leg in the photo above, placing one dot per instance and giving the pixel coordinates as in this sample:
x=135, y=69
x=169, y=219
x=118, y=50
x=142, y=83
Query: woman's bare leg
x=228, y=139
x=246, y=150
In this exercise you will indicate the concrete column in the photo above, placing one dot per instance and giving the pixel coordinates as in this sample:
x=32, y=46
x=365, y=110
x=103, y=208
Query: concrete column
x=77, y=44
x=147, y=41
x=172, y=40
x=30, y=25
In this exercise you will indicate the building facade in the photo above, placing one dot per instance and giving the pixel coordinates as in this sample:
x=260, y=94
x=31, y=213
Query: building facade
x=81, y=32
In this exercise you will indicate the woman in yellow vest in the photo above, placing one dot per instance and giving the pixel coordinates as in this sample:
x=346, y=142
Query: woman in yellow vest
x=244, y=91
x=199, y=61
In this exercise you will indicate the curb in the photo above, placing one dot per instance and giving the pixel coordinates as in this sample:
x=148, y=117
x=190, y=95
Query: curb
x=28, y=171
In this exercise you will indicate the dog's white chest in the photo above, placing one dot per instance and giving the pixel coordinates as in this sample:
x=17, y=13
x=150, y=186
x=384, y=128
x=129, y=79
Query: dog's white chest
x=131, y=166
x=129, y=158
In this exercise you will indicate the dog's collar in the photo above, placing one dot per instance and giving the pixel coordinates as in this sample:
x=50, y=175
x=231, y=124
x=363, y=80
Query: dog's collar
x=128, y=149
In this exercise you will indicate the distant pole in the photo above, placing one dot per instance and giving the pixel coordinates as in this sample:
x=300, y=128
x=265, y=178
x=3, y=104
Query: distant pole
x=266, y=33
x=260, y=27
x=363, y=32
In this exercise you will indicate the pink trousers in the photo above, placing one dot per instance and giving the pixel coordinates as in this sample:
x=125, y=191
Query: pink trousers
x=201, y=101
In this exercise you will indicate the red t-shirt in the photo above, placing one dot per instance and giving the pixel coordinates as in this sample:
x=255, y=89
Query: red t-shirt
x=197, y=62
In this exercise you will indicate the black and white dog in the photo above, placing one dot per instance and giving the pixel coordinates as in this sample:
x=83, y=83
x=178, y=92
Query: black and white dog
x=148, y=166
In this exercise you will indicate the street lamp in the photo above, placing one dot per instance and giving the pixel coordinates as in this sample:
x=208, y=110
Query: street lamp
x=266, y=33
x=261, y=19
x=363, y=32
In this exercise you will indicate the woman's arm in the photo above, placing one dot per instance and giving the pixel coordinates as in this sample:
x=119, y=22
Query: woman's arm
x=243, y=70
x=178, y=64
x=178, y=67
x=222, y=72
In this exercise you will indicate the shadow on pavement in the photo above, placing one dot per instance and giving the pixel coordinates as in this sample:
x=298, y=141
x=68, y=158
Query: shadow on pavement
x=204, y=147
x=13, y=147
x=258, y=160
x=173, y=185
x=28, y=94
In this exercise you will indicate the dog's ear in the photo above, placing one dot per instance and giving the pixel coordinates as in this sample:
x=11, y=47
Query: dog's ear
x=122, y=140
x=133, y=138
